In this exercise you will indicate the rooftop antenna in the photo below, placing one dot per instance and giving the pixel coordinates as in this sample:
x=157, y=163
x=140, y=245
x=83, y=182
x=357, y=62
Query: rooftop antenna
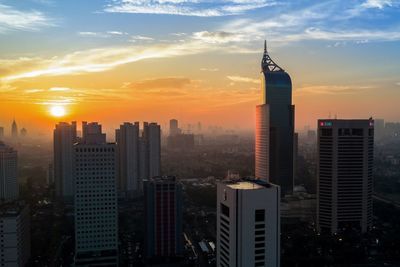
x=265, y=47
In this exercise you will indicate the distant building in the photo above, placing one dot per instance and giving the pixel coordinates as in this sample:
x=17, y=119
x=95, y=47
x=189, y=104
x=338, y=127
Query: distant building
x=14, y=130
x=277, y=93
x=1, y=133
x=379, y=127
x=181, y=142
x=9, y=189
x=163, y=209
x=262, y=142
x=64, y=136
x=173, y=127
x=345, y=165
x=96, y=211
x=23, y=132
x=248, y=224
x=15, y=235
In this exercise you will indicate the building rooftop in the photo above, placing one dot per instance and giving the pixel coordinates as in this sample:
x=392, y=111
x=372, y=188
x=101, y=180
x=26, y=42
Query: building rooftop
x=245, y=186
x=248, y=184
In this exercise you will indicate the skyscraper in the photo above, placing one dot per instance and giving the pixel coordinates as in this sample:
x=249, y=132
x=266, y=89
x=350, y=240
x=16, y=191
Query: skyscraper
x=96, y=212
x=277, y=94
x=127, y=138
x=14, y=130
x=8, y=173
x=150, y=151
x=173, y=127
x=1, y=133
x=139, y=155
x=248, y=224
x=15, y=235
x=345, y=164
x=163, y=209
x=64, y=136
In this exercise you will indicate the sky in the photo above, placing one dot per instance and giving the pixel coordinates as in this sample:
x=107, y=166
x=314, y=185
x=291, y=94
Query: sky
x=194, y=60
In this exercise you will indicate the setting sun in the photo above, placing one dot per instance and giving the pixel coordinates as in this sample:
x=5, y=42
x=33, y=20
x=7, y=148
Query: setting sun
x=57, y=111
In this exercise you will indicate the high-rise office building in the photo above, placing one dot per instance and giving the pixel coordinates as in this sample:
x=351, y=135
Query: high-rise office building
x=96, y=212
x=9, y=190
x=64, y=136
x=14, y=130
x=262, y=142
x=248, y=224
x=150, y=151
x=173, y=127
x=345, y=165
x=15, y=235
x=163, y=209
x=277, y=94
x=127, y=139
x=1, y=133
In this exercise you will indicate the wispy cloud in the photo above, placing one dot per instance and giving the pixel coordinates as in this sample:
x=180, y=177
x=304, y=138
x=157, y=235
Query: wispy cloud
x=157, y=83
x=200, y=8
x=107, y=34
x=331, y=89
x=24, y=20
x=209, y=69
x=243, y=79
x=327, y=21
x=101, y=59
x=377, y=3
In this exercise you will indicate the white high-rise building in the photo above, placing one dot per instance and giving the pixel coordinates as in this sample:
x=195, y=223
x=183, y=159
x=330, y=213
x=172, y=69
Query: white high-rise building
x=8, y=174
x=262, y=142
x=248, y=224
x=345, y=166
x=64, y=137
x=96, y=212
x=15, y=235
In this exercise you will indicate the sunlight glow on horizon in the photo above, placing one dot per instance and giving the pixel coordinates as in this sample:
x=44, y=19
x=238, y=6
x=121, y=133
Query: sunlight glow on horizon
x=57, y=111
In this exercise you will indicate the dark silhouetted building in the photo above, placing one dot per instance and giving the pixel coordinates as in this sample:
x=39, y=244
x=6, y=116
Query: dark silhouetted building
x=64, y=136
x=163, y=209
x=277, y=94
x=9, y=190
x=14, y=130
x=15, y=235
x=345, y=165
x=173, y=127
x=139, y=155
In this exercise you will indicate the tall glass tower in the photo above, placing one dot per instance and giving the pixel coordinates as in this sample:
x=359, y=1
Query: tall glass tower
x=277, y=94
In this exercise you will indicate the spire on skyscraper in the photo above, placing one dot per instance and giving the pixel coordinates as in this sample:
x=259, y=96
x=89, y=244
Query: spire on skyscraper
x=267, y=64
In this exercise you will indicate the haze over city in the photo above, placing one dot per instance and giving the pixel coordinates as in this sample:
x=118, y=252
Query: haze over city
x=200, y=133
x=111, y=60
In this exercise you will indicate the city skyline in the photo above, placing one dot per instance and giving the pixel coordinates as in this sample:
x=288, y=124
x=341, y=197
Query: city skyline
x=99, y=64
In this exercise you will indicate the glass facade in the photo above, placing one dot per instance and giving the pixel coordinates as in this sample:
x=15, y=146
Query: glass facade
x=277, y=93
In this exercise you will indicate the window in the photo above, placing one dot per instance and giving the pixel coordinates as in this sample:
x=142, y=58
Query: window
x=225, y=210
x=260, y=215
